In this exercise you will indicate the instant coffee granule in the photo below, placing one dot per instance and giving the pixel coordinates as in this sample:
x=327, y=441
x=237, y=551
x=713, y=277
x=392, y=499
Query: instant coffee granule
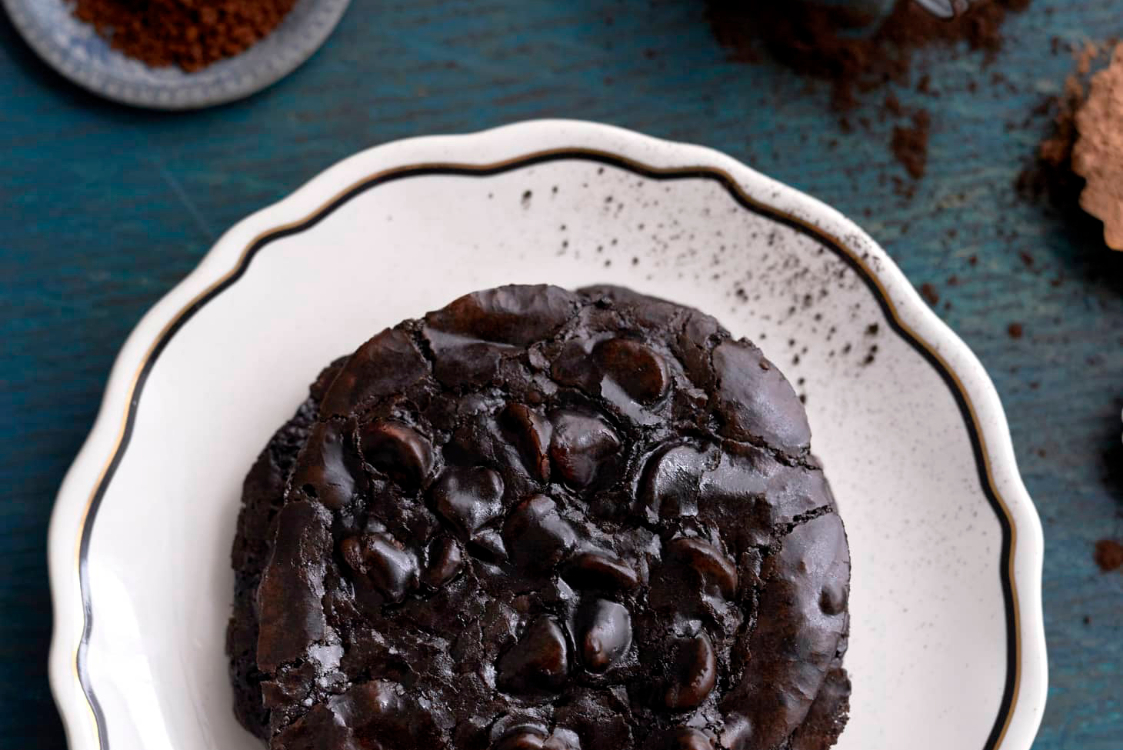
x=189, y=33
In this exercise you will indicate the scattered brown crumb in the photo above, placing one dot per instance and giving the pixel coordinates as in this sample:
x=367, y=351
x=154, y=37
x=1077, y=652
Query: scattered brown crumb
x=1108, y=555
x=893, y=105
x=929, y=293
x=910, y=144
x=1015, y=330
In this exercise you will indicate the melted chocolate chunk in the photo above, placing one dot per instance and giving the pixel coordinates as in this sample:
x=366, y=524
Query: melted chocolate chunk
x=543, y=520
x=398, y=450
x=539, y=661
x=605, y=634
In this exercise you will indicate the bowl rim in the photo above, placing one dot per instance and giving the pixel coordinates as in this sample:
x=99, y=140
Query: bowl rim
x=1022, y=547
x=193, y=91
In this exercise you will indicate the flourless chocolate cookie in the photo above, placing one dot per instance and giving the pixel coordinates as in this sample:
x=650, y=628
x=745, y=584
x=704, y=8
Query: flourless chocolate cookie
x=543, y=519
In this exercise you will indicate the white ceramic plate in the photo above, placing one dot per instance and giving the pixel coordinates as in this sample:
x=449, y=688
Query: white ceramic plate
x=947, y=648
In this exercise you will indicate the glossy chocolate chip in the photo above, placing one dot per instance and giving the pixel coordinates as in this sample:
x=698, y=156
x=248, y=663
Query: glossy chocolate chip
x=534, y=737
x=462, y=361
x=538, y=661
x=580, y=444
x=445, y=561
x=388, y=363
x=468, y=498
x=669, y=488
x=716, y=570
x=755, y=401
x=530, y=433
x=488, y=545
x=292, y=584
x=635, y=367
x=389, y=567
x=686, y=738
x=522, y=738
x=536, y=535
x=326, y=473
x=693, y=675
x=510, y=315
x=605, y=634
x=573, y=367
x=600, y=570
x=398, y=450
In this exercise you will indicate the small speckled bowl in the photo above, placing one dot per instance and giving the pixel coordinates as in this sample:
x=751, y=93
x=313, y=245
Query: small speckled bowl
x=76, y=51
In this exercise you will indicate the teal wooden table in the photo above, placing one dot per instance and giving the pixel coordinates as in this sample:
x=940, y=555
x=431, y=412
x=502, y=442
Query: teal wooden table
x=103, y=209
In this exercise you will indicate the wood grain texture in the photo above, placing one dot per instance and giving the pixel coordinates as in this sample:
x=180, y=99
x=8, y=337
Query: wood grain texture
x=103, y=209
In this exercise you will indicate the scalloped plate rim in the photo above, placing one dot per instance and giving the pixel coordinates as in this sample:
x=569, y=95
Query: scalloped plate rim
x=73, y=498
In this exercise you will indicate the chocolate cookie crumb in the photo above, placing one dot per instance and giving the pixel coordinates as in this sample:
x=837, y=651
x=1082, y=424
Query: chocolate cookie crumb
x=910, y=144
x=929, y=293
x=1108, y=555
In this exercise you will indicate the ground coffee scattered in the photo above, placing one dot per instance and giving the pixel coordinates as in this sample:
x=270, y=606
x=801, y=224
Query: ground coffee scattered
x=189, y=33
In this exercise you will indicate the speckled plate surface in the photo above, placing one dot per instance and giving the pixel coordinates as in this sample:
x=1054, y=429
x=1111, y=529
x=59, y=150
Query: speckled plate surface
x=947, y=648
x=76, y=51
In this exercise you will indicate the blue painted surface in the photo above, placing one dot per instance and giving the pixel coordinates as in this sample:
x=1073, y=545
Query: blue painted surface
x=103, y=209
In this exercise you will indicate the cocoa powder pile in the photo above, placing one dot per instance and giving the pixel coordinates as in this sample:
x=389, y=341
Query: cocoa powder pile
x=189, y=33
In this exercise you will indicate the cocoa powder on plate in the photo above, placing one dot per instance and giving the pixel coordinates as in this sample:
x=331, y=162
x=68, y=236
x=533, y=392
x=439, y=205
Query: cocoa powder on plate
x=189, y=33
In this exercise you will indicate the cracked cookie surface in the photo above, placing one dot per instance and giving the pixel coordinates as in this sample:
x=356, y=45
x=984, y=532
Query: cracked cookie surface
x=543, y=519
